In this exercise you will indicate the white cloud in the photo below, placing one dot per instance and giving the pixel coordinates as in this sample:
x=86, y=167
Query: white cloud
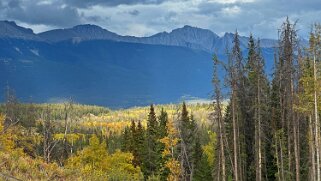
x=44, y=2
x=36, y=28
x=231, y=11
x=139, y=29
x=231, y=1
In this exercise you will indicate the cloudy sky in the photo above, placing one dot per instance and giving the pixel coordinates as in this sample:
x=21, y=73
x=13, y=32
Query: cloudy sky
x=147, y=17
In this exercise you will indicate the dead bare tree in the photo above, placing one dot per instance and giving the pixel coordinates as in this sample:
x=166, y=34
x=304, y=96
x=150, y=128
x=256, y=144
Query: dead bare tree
x=47, y=132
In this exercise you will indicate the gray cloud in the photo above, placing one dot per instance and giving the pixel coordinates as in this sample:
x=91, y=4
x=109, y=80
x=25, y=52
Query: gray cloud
x=48, y=15
x=94, y=18
x=146, y=17
x=134, y=12
x=262, y=17
x=35, y=13
x=89, y=3
x=14, y=4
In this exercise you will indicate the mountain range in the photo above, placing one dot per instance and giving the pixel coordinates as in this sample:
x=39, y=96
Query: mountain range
x=187, y=36
x=95, y=66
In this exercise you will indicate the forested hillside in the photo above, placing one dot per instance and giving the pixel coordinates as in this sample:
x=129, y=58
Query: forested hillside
x=257, y=127
x=95, y=66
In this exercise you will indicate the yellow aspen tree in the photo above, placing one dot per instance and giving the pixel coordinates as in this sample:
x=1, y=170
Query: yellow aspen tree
x=170, y=142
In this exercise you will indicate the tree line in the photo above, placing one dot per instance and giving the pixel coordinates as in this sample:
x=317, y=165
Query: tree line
x=270, y=129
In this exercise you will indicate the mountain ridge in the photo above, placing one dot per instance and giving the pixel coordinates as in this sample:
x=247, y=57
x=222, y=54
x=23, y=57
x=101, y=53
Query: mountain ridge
x=9, y=29
x=186, y=36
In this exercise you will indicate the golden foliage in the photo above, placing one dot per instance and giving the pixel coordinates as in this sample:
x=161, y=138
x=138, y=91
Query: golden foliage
x=6, y=136
x=94, y=162
x=175, y=169
x=170, y=141
x=70, y=138
x=209, y=149
x=114, y=122
x=20, y=166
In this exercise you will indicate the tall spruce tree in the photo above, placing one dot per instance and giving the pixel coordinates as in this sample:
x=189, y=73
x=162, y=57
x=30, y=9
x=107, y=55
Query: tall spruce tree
x=134, y=144
x=202, y=169
x=287, y=88
x=309, y=103
x=163, y=123
x=125, y=140
x=251, y=133
x=152, y=163
x=315, y=52
x=259, y=90
x=238, y=108
x=217, y=118
x=133, y=141
x=163, y=120
x=186, y=133
x=139, y=138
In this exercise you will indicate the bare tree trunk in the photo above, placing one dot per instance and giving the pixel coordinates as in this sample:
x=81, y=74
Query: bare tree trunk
x=184, y=158
x=235, y=143
x=48, y=143
x=281, y=159
x=259, y=136
x=289, y=144
x=296, y=153
x=219, y=116
x=257, y=116
x=312, y=149
x=295, y=135
x=239, y=148
x=222, y=152
x=277, y=159
x=219, y=166
x=316, y=117
x=260, y=153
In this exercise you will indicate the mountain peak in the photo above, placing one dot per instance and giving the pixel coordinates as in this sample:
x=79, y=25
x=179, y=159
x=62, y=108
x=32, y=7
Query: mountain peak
x=228, y=34
x=12, y=30
x=195, y=37
x=80, y=32
x=87, y=26
x=193, y=29
x=190, y=27
x=12, y=23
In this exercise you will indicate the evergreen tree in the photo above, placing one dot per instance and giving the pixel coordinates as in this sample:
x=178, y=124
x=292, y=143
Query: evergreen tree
x=272, y=158
x=250, y=133
x=126, y=140
x=309, y=106
x=151, y=164
x=258, y=94
x=163, y=121
x=134, y=144
x=133, y=140
x=286, y=82
x=202, y=169
x=187, y=127
x=238, y=107
x=137, y=143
